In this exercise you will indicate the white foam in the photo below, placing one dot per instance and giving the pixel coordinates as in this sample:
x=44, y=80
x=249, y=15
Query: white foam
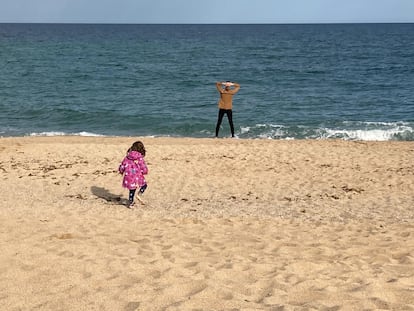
x=369, y=134
x=85, y=134
x=266, y=131
x=89, y=134
x=352, y=130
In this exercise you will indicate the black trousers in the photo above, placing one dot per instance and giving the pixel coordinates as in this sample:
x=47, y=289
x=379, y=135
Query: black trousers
x=132, y=192
x=229, y=114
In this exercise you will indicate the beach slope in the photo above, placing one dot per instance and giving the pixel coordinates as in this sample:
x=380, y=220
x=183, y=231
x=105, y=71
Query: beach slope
x=228, y=224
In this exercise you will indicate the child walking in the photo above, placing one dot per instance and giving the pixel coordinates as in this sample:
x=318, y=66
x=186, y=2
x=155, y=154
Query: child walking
x=133, y=167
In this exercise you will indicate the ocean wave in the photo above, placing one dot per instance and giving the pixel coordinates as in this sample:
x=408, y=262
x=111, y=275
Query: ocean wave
x=372, y=131
x=86, y=134
x=349, y=130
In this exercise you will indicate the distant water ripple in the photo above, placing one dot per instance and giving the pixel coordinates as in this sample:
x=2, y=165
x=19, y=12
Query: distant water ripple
x=351, y=81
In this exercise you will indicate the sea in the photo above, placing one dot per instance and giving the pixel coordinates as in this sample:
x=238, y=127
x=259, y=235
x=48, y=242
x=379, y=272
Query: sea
x=298, y=81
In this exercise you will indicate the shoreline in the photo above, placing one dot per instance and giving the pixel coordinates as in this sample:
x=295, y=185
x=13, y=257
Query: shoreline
x=91, y=135
x=224, y=138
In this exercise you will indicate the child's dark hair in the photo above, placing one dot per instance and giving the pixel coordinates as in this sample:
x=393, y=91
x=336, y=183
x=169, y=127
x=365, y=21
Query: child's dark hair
x=138, y=146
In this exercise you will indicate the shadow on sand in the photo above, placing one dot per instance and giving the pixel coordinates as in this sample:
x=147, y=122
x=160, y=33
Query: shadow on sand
x=108, y=196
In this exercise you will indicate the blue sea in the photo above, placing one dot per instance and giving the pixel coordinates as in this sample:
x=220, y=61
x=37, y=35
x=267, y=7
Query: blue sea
x=316, y=81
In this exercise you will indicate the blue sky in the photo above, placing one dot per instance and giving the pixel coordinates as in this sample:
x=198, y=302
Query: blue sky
x=206, y=11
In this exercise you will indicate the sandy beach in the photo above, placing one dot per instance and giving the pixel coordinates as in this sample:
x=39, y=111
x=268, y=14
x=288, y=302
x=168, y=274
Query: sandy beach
x=228, y=224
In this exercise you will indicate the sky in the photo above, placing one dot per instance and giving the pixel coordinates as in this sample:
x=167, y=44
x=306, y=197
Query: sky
x=206, y=11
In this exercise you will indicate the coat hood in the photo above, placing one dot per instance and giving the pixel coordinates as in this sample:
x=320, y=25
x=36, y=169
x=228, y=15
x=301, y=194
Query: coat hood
x=134, y=155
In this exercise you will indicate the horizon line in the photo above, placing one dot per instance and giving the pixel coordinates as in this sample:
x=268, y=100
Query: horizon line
x=188, y=23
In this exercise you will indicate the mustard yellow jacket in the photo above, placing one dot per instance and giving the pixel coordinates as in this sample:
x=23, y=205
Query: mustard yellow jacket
x=226, y=95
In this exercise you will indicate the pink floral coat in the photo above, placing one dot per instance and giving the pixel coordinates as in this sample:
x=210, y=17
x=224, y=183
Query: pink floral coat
x=133, y=168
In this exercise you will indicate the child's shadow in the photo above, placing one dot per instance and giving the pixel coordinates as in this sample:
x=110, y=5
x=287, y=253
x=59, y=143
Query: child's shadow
x=107, y=196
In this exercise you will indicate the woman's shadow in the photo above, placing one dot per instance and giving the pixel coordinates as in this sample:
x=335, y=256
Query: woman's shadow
x=107, y=196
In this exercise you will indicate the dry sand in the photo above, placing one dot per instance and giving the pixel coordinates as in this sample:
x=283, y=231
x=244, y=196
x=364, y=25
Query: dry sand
x=228, y=225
